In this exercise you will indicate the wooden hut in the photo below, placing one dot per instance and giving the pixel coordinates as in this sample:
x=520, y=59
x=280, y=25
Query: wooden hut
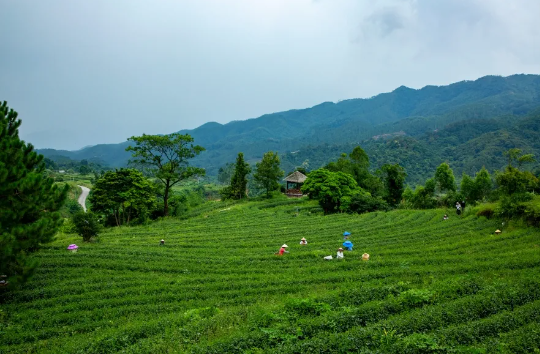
x=294, y=184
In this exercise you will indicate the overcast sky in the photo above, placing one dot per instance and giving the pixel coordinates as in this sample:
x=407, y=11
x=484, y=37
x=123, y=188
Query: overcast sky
x=88, y=72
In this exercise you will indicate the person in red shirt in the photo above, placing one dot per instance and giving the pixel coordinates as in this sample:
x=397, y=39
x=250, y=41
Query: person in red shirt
x=282, y=250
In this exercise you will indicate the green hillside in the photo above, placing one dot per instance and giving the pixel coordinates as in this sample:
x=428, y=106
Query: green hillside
x=414, y=113
x=466, y=145
x=431, y=286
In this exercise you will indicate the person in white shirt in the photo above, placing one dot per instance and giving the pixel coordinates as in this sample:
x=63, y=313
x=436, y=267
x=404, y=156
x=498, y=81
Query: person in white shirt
x=303, y=241
x=340, y=253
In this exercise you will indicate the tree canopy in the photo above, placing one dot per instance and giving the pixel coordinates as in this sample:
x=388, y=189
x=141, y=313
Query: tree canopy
x=393, y=177
x=268, y=173
x=333, y=189
x=29, y=201
x=167, y=158
x=238, y=186
x=444, y=178
x=123, y=195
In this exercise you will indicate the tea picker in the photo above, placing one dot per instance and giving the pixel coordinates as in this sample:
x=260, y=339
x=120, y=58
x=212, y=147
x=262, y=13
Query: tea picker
x=282, y=250
x=348, y=245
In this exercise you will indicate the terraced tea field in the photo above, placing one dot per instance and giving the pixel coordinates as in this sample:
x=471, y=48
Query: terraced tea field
x=431, y=286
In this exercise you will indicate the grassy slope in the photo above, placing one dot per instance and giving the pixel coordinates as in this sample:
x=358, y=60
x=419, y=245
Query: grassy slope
x=217, y=287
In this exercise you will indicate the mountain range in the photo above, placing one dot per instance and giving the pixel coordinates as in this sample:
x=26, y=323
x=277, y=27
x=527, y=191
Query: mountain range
x=468, y=124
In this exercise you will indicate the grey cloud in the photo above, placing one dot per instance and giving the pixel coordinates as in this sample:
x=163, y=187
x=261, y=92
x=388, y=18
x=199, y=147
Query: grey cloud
x=126, y=67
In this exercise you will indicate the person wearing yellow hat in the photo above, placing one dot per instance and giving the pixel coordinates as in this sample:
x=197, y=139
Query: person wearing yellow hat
x=303, y=241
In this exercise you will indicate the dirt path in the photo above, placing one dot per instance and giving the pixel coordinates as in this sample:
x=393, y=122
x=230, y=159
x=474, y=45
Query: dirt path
x=82, y=197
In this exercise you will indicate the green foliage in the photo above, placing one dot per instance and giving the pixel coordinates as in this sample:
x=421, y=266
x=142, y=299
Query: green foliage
x=306, y=307
x=483, y=185
x=167, y=158
x=512, y=206
x=444, y=178
x=86, y=225
x=512, y=181
x=73, y=206
x=423, y=197
x=29, y=201
x=516, y=156
x=217, y=287
x=393, y=177
x=238, y=186
x=486, y=210
x=225, y=173
x=477, y=189
x=357, y=165
x=359, y=158
x=333, y=190
x=85, y=166
x=268, y=173
x=364, y=203
x=123, y=195
x=416, y=297
x=84, y=170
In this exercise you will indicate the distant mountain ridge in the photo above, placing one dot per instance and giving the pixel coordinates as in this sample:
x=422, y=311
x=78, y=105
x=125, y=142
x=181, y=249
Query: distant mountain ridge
x=416, y=113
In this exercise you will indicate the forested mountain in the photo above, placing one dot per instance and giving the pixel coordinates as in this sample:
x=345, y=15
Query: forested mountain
x=468, y=124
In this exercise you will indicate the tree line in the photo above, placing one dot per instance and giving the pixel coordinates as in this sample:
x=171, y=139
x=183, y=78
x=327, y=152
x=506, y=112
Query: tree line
x=30, y=200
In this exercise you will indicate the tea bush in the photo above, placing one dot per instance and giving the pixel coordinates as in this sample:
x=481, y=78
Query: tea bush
x=430, y=286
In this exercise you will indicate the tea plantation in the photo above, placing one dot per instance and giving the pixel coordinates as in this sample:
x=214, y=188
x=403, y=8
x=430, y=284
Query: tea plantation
x=431, y=286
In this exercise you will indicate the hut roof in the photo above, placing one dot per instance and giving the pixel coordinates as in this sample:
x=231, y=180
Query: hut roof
x=296, y=177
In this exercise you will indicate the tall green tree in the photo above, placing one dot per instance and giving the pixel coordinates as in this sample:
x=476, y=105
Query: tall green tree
x=468, y=188
x=359, y=158
x=86, y=225
x=356, y=164
x=423, y=197
x=514, y=181
x=237, y=188
x=477, y=189
x=123, y=194
x=444, y=178
x=29, y=201
x=333, y=190
x=393, y=178
x=167, y=158
x=483, y=184
x=268, y=173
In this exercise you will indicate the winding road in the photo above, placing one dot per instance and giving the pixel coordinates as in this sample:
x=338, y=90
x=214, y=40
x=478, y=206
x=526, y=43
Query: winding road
x=82, y=197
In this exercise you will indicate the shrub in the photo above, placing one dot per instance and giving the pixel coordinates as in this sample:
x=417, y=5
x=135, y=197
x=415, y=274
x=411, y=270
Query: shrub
x=416, y=297
x=86, y=225
x=306, y=307
x=73, y=206
x=68, y=226
x=422, y=343
x=513, y=206
x=364, y=203
x=485, y=212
